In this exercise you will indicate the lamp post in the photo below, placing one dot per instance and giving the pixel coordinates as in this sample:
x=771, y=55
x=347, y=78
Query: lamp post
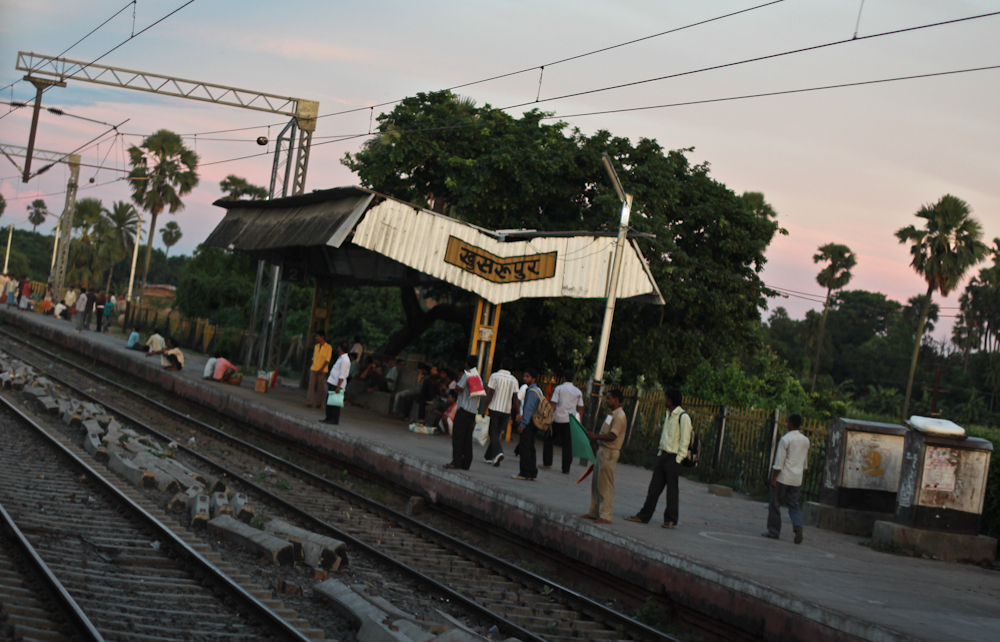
x=135, y=255
x=6, y=258
x=609, y=308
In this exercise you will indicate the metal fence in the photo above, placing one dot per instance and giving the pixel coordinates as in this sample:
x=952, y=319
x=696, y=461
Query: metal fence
x=737, y=444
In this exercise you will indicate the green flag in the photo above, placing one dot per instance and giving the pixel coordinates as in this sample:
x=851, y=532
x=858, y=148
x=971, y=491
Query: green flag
x=581, y=445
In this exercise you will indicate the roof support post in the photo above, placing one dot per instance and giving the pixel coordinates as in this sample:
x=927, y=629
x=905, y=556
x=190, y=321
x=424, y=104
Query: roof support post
x=483, y=342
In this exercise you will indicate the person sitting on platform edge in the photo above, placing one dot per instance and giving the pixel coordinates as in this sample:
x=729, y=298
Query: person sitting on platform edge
x=526, y=444
x=337, y=379
x=602, y=488
x=221, y=368
x=172, y=354
x=790, y=462
x=465, y=417
x=133, y=342
x=674, y=443
x=404, y=398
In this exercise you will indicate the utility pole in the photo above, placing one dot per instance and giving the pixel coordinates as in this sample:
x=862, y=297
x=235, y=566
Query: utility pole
x=135, y=255
x=609, y=308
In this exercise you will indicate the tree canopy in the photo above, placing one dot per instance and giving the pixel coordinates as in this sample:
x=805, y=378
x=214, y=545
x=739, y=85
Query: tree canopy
x=485, y=166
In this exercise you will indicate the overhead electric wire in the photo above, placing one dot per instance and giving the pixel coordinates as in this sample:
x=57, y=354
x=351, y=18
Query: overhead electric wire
x=757, y=59
x=514, y=73
x=771, y=93
x=129, y=39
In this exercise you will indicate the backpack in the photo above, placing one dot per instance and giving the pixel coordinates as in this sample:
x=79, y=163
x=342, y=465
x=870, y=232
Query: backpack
x=542, y=417
x=693, y=448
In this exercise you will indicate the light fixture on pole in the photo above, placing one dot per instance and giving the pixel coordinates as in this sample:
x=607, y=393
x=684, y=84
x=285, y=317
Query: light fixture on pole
x=609, y=309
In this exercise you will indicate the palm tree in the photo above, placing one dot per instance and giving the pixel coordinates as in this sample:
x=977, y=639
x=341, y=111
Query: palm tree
x=37, y=212
x=834, y=276
x=235, y=187
x=942, y=252
x=171, y=233
x=124, y=227
x=163, y=170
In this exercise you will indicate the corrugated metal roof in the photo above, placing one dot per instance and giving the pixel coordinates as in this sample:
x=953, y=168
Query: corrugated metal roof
x=419, y=239
x=293, y=222
x=284, y=229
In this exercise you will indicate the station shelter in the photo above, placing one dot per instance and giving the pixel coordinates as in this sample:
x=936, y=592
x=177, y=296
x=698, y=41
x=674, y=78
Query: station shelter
x=352, y=236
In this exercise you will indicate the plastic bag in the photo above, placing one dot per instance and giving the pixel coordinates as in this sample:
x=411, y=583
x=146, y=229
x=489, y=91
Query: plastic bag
x=481, y=433
x=335, y=399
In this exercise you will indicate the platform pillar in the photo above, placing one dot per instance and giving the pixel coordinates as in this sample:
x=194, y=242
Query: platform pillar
x=319, y=319
x=484, y=332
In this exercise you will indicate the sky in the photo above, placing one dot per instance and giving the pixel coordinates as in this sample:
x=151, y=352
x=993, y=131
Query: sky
x=847, y=165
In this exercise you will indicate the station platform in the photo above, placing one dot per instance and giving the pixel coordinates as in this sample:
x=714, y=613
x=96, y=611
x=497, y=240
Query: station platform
x=715, y=561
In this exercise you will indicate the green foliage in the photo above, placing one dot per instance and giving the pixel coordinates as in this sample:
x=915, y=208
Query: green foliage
x=765, y=382
x=369, y=312
x=283, y=484
x=484, y=166
x=30, y=254
x=171, y=234
x=218, y=286
x=37, y=212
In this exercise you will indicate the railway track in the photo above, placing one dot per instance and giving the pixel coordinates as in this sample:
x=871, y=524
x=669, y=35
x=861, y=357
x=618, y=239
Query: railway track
x=520, y=603
x=117, y=568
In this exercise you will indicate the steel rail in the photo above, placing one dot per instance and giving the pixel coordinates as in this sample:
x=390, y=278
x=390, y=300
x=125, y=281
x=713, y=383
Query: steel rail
x=255, y=607
x=498, y=564
x=64, y=601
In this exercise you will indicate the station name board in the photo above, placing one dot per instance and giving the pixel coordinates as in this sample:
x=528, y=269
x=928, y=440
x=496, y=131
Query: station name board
x=493, y=268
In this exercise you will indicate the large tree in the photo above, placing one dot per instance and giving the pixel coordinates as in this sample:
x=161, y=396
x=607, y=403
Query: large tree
x=37, y=212
x=942, y=251
x=485, y=166
x=834, y=276
x=163, y=170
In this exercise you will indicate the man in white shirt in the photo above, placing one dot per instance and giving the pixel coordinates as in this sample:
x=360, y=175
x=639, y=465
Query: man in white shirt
x=790, y=462
x=501, y=402
x=566, y=400
x=337, y=381
x=81, y=304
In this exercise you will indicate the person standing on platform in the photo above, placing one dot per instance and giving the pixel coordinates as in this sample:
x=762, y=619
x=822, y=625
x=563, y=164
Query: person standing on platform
x=322, y=356
x=501, y=401
x=611, y=435
x=88, y=309
x=337, y=379
x=465, y=417
x=70, y=299
x=11, y=291
x=25, y=301
x=674, y=442
x=81, y=304
x=566, y=400
x=99, y=311
x=526, y=444
x=790, y=462
x=109, y=313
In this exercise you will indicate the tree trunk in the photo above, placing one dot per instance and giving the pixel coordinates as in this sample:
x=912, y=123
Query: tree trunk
x=819, y=342
x=916, y=350
x=111, y=271
x=418, y=321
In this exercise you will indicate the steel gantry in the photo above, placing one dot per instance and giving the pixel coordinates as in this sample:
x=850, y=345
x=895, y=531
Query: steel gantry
x=47, y=70
x=60, y=251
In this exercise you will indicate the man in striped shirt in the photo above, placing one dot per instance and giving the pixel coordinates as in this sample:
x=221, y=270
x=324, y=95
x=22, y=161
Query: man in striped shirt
x=501, y=402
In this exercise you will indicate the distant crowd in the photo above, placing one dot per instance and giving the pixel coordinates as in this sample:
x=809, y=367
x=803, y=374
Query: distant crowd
x=79, y=306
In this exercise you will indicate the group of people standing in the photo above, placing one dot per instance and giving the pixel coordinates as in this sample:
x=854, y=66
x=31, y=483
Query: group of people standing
x=506, y=401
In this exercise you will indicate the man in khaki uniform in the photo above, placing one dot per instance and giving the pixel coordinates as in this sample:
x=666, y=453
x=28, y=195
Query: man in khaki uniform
x=602, y=490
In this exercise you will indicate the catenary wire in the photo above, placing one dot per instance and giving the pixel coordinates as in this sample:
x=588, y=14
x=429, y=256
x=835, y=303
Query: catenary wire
x=759, y=58
x=521, y=71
